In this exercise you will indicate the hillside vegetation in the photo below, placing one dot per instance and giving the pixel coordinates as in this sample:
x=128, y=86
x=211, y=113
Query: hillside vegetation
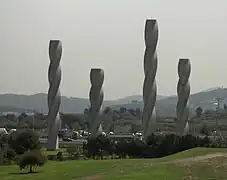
x=198, y=163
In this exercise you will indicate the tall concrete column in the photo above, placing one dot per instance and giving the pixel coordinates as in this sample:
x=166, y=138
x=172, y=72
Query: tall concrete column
x=96, y=99
x=150, y=69
x=183, y=92
x=54, y=97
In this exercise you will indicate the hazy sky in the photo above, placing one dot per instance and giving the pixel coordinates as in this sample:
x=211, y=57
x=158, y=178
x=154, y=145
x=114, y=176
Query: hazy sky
x=109, y=34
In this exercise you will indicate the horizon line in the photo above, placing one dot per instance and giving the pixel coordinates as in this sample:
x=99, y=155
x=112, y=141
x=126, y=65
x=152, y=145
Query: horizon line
x=166, y=96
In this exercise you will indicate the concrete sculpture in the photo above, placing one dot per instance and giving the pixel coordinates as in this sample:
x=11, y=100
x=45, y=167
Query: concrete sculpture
x=150, y=69
x=54, y=98
x=183, y=92
x=96, y=99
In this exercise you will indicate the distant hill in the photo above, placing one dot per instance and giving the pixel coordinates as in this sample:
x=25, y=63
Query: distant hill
x=138, y=98
x=38, y=102
x=211, y=89
x=165, y=106
x=9, y=109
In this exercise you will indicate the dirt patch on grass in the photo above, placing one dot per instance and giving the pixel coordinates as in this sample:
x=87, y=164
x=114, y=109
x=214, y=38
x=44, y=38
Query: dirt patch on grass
x=183, y=162
x=186, y=161
x=211, y=167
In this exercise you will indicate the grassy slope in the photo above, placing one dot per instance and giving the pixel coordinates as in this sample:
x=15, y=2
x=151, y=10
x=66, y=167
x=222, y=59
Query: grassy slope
x=157, y=169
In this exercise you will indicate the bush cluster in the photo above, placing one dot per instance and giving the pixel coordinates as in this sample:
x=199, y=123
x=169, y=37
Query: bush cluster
x=21, y=147
x=158, y=146
x=71, y=153
x=31, y=158
x=7, y=153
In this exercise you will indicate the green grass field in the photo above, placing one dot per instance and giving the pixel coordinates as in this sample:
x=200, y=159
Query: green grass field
x=195, y=164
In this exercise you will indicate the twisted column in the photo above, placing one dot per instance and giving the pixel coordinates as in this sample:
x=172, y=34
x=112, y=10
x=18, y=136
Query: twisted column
x=150, y=69
x=54, y=98
x=183, y=92
x=96, y=100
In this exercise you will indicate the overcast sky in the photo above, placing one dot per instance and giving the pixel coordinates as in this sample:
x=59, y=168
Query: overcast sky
x=109, y=34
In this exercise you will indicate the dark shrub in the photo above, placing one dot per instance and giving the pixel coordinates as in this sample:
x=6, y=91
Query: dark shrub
x=31, y=158
x=52, y=157
x=158, y=145
x=7, y=154
x=24, y=141
x=60, y=156
x=74, y=152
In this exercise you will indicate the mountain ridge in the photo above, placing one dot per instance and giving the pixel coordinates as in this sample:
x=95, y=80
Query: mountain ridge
x=165, y=105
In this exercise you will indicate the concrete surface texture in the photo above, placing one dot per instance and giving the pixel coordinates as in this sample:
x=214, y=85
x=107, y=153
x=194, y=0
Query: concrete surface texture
x=96, y=99
x=183, y=92
x=150, y=69
x=54, y=97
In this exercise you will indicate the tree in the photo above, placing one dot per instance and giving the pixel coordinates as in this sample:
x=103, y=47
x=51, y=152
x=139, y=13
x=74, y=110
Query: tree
x=11, y=117
x=22, y=116
x=86, y=111
x=225, y=107
x=7, y=154
x=199, y=111
x=24, y=141
x=204, y=130
x=60, y=156
x=135, y=128
x=31, y=158
x=40, y=116
x=132, y=112
x=107, y=110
